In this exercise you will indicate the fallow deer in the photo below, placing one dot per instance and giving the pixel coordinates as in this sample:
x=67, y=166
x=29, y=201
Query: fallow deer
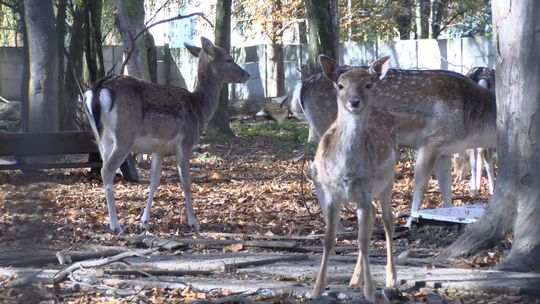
x=355, y=161
x=127, y=114
x=437, y=112
x=482, y=157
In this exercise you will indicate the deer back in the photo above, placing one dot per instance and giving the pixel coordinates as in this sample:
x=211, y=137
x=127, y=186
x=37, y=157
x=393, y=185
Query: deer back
x=433, y=101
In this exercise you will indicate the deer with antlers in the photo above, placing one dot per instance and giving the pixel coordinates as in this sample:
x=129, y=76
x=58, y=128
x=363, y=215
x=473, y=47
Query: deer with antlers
x=127, y=114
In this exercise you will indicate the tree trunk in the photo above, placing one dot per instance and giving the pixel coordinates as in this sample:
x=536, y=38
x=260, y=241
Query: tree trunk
x=69, y=111
x=60, y=37
x=514, y=207
x=440, y=10
x=151, y=56
x=424, y=10
x=131, y=23
x=94, y=49
x=25, y=106
x=278, y=55
x=321, y=33
x=219, y=124
x=43, y=50
x=334, y=13
x=404, y=19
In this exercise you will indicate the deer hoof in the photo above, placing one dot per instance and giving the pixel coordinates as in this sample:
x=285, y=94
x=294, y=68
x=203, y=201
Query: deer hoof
x=117, y=230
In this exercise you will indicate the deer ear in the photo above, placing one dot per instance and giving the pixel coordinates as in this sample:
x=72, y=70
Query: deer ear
x=379, y=67
x=207, y=46
x=330, y=67
x=194, y=50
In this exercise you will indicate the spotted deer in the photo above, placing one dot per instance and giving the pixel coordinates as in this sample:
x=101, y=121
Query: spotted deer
x=354, y=162
x=478, y=158
x=127, y=114
x=437, y=112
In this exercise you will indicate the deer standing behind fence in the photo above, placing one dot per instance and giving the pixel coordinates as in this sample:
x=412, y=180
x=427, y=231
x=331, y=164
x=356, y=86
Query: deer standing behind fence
x=437, y=112
x=355, y=161
x=474, y=160
x=127, y=114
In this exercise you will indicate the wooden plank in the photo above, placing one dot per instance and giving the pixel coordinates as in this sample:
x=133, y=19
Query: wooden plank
x=47, y=143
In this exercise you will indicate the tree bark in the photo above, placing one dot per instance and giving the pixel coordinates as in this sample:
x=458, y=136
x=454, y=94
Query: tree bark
x=440, y=11
x=151, y=56
x=43, y=50
x=514, y=207
x=321, y=33
x=25, y=106
x=60, y=37
x=404, y=19
x=68, y=110
x=278, y=55
x=131, y=23
x=94, y=49
x=424, y=10
x=219, y=124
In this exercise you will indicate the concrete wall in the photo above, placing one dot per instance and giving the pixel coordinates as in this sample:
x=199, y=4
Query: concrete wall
x=180, y=68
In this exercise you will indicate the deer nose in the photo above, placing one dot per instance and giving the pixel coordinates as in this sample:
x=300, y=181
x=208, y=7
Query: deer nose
x=354, y=102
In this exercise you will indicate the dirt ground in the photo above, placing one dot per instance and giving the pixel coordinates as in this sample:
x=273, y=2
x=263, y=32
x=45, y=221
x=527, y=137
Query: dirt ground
x=255, y=185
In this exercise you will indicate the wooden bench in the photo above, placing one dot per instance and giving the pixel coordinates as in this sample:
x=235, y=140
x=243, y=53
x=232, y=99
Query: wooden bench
x=55, y=143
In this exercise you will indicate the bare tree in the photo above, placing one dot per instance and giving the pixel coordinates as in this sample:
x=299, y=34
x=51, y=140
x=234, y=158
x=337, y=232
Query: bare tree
x=514, y=208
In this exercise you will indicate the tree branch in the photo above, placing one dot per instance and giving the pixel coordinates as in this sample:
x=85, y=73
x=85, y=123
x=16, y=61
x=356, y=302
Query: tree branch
x=128, y=56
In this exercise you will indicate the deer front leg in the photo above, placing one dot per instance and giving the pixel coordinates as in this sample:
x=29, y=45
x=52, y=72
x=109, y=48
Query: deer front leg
x=365, y=228
x=331, y=216
x=388, y=223
x=182, y=161
x=155, y=175
x=443, y=172
x=422, y=173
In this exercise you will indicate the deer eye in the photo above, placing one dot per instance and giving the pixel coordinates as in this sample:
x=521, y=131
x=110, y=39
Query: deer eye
x=368, y=86
x=340, y=86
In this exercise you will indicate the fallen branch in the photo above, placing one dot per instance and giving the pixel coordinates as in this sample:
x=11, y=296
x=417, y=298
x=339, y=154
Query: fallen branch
x=158, y=272
x=287, y=258
x=20, y=259
x=63, y=274
x=230, y=299
x=138, y=240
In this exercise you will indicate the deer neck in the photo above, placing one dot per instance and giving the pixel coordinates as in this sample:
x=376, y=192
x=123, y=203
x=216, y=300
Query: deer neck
x=208, y=87
x=352, y=127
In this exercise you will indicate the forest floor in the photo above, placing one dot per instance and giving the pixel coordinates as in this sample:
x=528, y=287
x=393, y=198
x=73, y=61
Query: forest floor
x=248, y=192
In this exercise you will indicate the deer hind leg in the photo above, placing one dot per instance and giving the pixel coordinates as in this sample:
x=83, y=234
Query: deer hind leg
x=113, y=157
x=155, y=175
x=425, y=161
x=476, y=167
x=488, y=162
x=365, y=228
x=331, y=216
x=182, y=162
x=443, y=172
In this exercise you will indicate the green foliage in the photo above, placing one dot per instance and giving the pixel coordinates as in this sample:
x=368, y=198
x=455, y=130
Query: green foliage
x=10, y=25
x=477, y=20
x=369, y=20
x=9, y=126
x=291, y=135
